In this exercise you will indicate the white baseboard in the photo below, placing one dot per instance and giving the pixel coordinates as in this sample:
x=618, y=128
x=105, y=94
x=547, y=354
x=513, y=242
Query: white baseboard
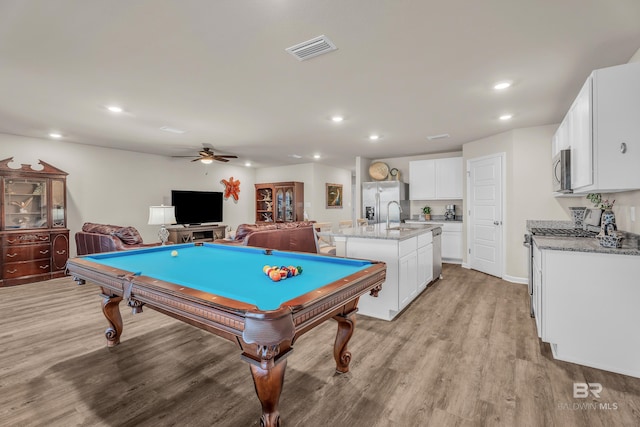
x=514, y=279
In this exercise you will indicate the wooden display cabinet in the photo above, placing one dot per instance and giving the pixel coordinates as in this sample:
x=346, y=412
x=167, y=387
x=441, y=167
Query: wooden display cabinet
x=33, y=233
x=279, y=202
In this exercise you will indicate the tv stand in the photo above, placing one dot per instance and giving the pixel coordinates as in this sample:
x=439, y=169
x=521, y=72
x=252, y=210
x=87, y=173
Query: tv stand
x=196, y=233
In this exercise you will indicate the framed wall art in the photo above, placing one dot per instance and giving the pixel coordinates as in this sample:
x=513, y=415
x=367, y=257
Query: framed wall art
x=334, y=196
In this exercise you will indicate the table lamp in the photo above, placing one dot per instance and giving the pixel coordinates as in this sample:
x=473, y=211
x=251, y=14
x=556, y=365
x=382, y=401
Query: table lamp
x=162, y=215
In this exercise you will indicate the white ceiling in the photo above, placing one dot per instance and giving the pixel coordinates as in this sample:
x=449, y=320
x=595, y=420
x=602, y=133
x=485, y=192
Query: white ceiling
x=218, y=69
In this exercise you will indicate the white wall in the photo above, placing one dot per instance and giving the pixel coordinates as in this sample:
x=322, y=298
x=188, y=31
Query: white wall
x=315, y=177
x=117, y=187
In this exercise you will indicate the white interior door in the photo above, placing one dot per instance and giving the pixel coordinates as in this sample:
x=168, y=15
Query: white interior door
x=485, y=214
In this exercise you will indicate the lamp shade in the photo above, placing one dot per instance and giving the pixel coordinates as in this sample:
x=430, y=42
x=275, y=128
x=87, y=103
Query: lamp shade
x=160, y=215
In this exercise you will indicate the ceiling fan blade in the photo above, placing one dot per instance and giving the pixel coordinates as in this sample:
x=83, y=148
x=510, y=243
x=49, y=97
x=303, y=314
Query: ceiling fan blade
x=227, y=157
x=220, y=159
x=195, y=160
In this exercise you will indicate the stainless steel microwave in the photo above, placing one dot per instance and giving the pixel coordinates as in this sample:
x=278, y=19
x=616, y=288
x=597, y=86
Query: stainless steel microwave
x=562, y=172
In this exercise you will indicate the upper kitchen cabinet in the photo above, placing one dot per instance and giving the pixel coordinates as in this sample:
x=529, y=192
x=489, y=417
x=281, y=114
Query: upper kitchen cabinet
x=436, y=179
x=603, y=131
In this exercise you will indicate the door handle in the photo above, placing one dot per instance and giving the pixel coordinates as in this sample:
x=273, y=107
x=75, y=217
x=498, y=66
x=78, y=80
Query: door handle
x=497, y=222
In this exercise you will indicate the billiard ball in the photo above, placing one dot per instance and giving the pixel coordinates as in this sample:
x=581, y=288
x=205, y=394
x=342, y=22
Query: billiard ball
x=274, y=275
x=174, y=253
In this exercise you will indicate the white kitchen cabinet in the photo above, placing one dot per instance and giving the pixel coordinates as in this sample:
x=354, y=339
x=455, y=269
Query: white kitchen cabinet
x=537, y=289
x=449, y=178
x=436, y=179
x=588, y=308
x=581, y=137
x=407, y=279
x=451, y=239
x=422, y=180
x=560, y=139
x=604, y=131
x=409, y=270
x=425, y=260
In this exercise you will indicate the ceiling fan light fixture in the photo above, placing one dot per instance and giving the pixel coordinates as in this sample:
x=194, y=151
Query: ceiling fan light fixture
x=206, y=161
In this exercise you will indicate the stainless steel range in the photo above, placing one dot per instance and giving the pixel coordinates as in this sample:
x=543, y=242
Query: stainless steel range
x=548, y=232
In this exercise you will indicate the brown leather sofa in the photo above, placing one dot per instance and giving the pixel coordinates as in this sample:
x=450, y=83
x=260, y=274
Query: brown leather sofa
x=96, y=238
x=287, y=236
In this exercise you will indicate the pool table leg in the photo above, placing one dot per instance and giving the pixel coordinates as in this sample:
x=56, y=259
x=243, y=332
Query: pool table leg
x=268, y=384
x=346, y=325
x=111, y=310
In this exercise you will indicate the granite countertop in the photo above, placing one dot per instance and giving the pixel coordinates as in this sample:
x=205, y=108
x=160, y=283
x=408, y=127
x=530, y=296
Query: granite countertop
x=630, y=246
x=379, y=231
x=630, y=243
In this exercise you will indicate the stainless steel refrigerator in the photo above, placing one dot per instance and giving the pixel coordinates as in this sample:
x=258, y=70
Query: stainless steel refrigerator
x=376, y=197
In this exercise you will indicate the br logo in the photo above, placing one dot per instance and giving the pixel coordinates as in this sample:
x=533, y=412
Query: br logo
x=582, y=390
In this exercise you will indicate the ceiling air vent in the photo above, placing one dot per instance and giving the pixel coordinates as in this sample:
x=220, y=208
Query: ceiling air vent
x=310, y=48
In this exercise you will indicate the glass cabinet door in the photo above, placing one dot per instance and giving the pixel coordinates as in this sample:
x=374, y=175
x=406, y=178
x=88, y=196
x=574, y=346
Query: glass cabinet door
x=280, y=205
x=25, y=201
x=288, y=204
x=57, y=203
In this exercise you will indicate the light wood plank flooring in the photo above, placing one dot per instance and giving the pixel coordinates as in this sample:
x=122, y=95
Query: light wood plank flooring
x=465, y=353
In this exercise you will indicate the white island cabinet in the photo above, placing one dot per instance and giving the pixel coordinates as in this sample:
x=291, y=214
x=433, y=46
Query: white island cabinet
x=408, y=253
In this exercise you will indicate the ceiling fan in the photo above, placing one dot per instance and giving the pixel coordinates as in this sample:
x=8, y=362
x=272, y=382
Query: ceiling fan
x=207, y=156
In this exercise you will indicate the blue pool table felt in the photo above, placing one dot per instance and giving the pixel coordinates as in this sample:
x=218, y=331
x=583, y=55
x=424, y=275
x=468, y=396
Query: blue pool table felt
x=233, y=272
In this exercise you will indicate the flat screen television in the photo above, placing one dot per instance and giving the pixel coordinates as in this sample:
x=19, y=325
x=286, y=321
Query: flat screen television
x=197, y=207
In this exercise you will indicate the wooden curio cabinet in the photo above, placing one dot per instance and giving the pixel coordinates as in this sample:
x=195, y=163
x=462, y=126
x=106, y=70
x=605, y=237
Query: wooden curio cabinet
x=279, y=202
x=33, y=223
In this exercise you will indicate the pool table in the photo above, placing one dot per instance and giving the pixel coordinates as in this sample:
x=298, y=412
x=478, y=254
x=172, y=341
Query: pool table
x=223, y=289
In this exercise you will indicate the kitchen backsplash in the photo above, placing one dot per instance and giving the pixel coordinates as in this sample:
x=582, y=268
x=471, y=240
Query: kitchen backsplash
x=622, y=208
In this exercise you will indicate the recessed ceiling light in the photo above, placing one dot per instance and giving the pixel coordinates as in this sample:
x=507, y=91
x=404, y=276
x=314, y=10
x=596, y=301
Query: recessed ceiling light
x=374, y=137
x=440, y=136
x=114, y=108
x=55, y=135
x=506, y=116
x=295, y=156
x=247, y=164
x=502, y=85
x=316, y=156
x=337, y=119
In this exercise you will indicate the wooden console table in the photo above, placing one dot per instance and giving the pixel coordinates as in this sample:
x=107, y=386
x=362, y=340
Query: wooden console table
x=196, y=233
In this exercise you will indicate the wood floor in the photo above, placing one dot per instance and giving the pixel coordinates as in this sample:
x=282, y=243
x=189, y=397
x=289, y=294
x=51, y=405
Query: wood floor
x=465, y=353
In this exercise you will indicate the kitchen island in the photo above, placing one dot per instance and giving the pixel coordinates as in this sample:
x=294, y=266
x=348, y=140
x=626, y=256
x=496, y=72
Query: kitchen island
x=407, y=249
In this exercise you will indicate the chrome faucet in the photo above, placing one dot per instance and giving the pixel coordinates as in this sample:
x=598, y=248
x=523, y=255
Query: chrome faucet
x=399, y=210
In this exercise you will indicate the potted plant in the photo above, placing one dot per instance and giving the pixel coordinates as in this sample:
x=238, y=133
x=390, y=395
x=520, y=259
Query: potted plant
x=427, y=212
